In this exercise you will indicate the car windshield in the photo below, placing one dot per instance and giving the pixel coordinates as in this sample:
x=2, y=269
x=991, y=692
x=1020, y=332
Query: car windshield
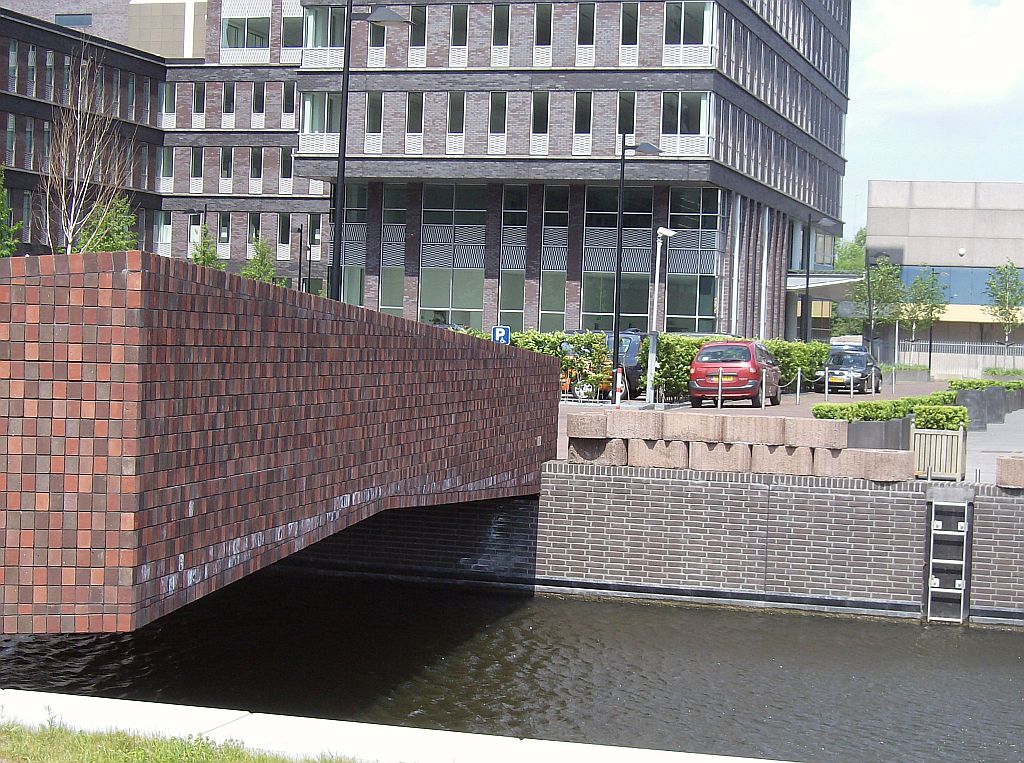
x=846, y=360
x=724, y=354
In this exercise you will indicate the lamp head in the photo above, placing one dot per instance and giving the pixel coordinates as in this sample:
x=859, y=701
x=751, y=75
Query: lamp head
x=386, y=17
x=666, y=232
x=961, y=252
x=644, y=148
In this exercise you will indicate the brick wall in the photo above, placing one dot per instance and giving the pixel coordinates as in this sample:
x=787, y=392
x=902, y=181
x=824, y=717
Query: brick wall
x=167, y=430
x=833, y=544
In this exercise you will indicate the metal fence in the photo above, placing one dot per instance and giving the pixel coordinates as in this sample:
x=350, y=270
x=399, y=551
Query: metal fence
x=962, y=358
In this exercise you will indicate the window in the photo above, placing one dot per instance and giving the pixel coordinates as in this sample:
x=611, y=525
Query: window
x=418, y=26
x=583, y=113
x=556, y=206
x=585, y=23
x=245, y=33
x=599, y=301
x=456, y=112
x=115, y=98
x=30, y=148
x=693, y=209
x=684, y=113
x=378, y=36
x=690, y=303
x=12, y=66
x=291, y=32
x=314, y=228
x=145, y=99
x=229, y=98
x=48, y=81
x=321, y=112
x=9, y=158
x=130, y=91
x=539, y=125
x=627, y=112
x=73, y=19
x=287, y=154
x=284, y=228
x=374, y=112
x=196, y=164
x=459, y=205
x=325, y=27
x=511, y=298
x=254, y=226
x=30, y=76
x=143, y=166
x=460, y=25
x=161, y=227
x=47, y=138
x=255, y=163
x=199, y=98
x=289, y=98
x=514, y=206
x=165, y=162
x=496, y=120
x=195, y=225
x=414, y=113
x=500, y=25
x=223, y=227
x=259, y=97
x=684, y=23
x=552, y=300
x=603, y=205
x=542, y=24
x=167, y=97
x=392, y=277
x=630, y=22
x=226, y=161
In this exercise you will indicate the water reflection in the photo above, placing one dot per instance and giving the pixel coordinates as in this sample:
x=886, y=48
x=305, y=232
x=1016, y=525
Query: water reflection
x=624, y=673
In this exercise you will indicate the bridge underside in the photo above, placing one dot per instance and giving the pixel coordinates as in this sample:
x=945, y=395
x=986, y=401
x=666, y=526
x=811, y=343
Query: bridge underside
x=168, y=429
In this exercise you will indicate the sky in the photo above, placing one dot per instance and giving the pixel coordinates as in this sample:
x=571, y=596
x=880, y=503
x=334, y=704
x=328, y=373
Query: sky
x=936, y=93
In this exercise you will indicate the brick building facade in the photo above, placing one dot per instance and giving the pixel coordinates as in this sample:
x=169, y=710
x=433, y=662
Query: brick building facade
x=482, y=144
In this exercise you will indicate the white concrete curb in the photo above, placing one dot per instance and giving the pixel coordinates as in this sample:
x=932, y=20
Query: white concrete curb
x=299, y=738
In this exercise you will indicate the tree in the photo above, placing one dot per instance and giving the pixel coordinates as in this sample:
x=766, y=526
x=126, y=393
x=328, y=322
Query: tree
x=925, y=302
x=261, y=266
x=205, y=251
x=850, y=254
x=90, y=161
x=108, y=229
x=8, y=232
x=1005, y=291
x=887, y=293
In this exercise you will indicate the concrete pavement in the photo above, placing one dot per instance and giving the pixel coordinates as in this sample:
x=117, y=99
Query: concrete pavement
x=996, y=440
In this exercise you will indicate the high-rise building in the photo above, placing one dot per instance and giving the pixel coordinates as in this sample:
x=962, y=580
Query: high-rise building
x=483, y=151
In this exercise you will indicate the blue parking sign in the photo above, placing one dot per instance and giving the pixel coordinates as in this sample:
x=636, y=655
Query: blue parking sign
x=501, y=334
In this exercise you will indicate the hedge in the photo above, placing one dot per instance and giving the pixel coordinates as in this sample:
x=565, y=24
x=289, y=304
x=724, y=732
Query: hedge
x=881, y=410
x=948, y=417
x=996, y=371
x=958, y=384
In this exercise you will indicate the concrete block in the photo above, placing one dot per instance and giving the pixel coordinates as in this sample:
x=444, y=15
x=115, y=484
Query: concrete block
x=592, y=426
x=591, y=451
x=995, y=404
x=691, y=426
x=1010, y=471
x=876, y=465
x=781, y=459
x=635, y=425
x=720, y=456
x=761, y=430
x=667, y=454
x=816, y=433
x=977, y=410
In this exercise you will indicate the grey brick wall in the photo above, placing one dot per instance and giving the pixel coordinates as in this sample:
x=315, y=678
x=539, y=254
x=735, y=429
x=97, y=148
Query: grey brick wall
x=833, y=544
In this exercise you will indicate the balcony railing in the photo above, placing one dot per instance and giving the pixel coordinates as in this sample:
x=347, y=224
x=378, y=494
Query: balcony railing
x=318, y=143
x=323, y=58
x=245, y=55
x=688, y=56
x=686, y=145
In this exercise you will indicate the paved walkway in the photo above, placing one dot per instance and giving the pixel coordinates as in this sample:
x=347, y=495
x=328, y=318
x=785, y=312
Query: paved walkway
x=996, y=440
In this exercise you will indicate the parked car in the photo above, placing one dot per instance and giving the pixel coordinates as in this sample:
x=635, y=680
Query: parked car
x=846, y=368
x=738, y=365
x=629, y=350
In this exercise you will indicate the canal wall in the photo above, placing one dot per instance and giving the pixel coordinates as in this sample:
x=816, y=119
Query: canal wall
x=827, y=544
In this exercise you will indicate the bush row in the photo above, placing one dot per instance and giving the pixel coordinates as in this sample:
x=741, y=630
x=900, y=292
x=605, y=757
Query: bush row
x=883, y=410
x=995, y=371
x=948, y=417
x=958, y=384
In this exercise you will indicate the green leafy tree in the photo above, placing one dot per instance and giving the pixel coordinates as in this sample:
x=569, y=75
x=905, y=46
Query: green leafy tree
x=8, y=232
x=850, y=254
x=887, y=294
x=108, y=228
x=204, y=253
x=925, y=303
x=1005, y=291
x=261, y=266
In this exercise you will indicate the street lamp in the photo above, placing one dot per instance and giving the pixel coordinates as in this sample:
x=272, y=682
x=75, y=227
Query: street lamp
x=652, y=342
x=639, y=148
x=824, y=222
x=384, y=17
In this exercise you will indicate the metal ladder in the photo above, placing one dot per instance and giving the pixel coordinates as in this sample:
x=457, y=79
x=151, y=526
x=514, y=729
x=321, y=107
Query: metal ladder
x=948, y=582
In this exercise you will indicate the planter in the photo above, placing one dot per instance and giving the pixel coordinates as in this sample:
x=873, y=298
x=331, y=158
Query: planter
x=940, y=454
x=912, y=376
x=976, y=404
x=885, y=435
x=995, y=405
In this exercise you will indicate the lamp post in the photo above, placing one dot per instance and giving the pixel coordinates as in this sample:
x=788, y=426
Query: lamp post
x=639, y=148
x=384, y=17
x=652, y=343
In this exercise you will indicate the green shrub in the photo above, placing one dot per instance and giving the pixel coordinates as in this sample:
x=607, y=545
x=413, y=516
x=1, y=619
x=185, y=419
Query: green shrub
x=949, y=417
x=993, y=371
x=958, y=384
x=588, y=361
x=881, y=410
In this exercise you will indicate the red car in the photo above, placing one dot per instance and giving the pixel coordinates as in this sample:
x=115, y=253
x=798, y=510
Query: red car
x=740, y=364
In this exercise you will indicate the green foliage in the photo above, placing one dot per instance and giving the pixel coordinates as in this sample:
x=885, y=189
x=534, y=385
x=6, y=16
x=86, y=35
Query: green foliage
x=586, y=362
x=8, y=232
x=261, y=266
x=881, y=410
x=110, y=229
x=925, y=302
x=959, y=384
x=476, y=333
x=995, y=371
x=887, y=293
x=807, y=356
x=1005, y=291
x=204, y=253
x=850, y=254
x=948, y=417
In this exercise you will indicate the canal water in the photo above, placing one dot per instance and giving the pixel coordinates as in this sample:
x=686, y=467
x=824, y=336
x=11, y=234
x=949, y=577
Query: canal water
x=794, y=687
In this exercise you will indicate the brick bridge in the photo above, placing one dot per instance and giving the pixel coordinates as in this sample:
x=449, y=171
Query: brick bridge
x=167, y=429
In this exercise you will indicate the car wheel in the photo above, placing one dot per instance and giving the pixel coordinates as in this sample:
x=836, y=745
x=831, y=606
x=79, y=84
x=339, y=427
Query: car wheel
x=696, y=402
x=756, y=400
x=776, y=399
x=584, y=391
x=878, y=383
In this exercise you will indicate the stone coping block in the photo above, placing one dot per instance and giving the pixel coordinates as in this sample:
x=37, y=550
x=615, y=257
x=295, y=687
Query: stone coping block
x=859, y=463
x=761, y=430
x=692, y=426
x=602, y=452
x=781, y=459
x=593, y=425
x=635, y=425
x=1010, y=470
x=720, y=456
x=666, y=454
x=816, y=433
